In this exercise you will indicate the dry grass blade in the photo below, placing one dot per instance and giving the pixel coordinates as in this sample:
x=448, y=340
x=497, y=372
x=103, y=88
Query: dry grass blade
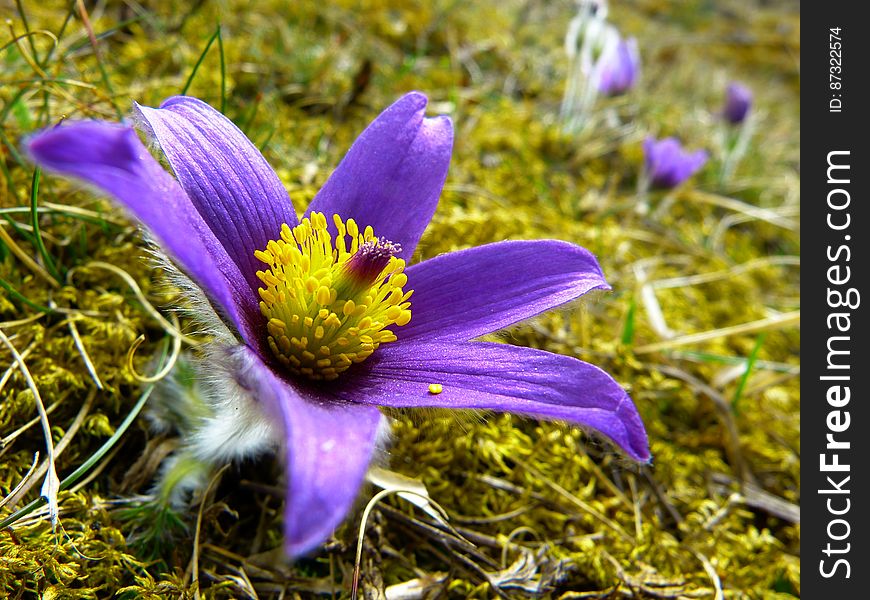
x=83, y=212
x=757, y=498
x=714, y=577
x=17, y=39
x=62, y=444
x=7, y=374
x=780, y=321
x=194, y=559
x=573, y=499
x=80, y=346
x=763, y=214
x=170, y=364
x=418, y=588
x=11, y=437
x=51, y=485
x=701, y=278
x=26, y=259
x=171, y=329
x=24, y=481
x=364, y=520
x=19, y=322
x=726, y=415
x=390, y=480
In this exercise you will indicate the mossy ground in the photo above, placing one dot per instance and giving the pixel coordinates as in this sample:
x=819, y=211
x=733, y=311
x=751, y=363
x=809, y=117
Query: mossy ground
x=546, y=507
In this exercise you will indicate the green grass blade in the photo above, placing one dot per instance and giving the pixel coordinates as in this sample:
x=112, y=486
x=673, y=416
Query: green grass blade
x=628, y=328
x=750, y=362
x=215, y=35
x=220, y=40
x=34, y=221
x=20, y=297
x=24, y=22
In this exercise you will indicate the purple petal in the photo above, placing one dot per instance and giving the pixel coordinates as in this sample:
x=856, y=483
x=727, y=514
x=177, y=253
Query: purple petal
x=328, y=449
x=667, y=164
x=619, y=68
x=392, y=175
x=465, y=294
x=738, y=102
x=111, y=157
x=228, y=180
x=500, y=377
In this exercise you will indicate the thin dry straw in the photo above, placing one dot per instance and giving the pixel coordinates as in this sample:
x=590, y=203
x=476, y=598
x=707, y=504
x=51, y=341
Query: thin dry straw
x=362, y=528
x=96, y=456
x=51, y=485
x=776, y=322
x=86, y=21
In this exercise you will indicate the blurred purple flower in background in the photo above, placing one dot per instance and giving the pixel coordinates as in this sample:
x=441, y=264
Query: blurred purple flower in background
x=738, y=102
x=310, y=301
x=618, y=67
x=667, y=164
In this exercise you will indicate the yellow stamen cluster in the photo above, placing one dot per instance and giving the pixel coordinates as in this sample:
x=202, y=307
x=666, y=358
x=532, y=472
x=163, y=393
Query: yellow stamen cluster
x=324, y=313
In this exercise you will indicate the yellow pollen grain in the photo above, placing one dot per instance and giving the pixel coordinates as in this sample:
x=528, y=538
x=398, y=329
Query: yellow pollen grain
x=435, y=388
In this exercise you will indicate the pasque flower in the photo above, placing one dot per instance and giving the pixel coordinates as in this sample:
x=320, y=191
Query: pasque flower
x=325, y=324
x=667, y=164
x=618, y=67
x=738, y=102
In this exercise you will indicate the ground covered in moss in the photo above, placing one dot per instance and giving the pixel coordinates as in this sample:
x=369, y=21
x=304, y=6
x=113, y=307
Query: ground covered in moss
x=702, y=325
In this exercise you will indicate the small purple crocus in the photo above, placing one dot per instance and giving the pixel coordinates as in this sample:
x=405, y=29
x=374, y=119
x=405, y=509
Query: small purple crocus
x=321, y=306
x=738, y=102
x=618, y=68
x=667, y=164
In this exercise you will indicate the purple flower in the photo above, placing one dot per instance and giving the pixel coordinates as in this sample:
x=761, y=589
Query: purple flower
x=667, y=164
x=321, y=308
x=738, y=102
x=618, y=67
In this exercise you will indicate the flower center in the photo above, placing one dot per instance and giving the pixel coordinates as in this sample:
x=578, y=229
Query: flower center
x=329, y=302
